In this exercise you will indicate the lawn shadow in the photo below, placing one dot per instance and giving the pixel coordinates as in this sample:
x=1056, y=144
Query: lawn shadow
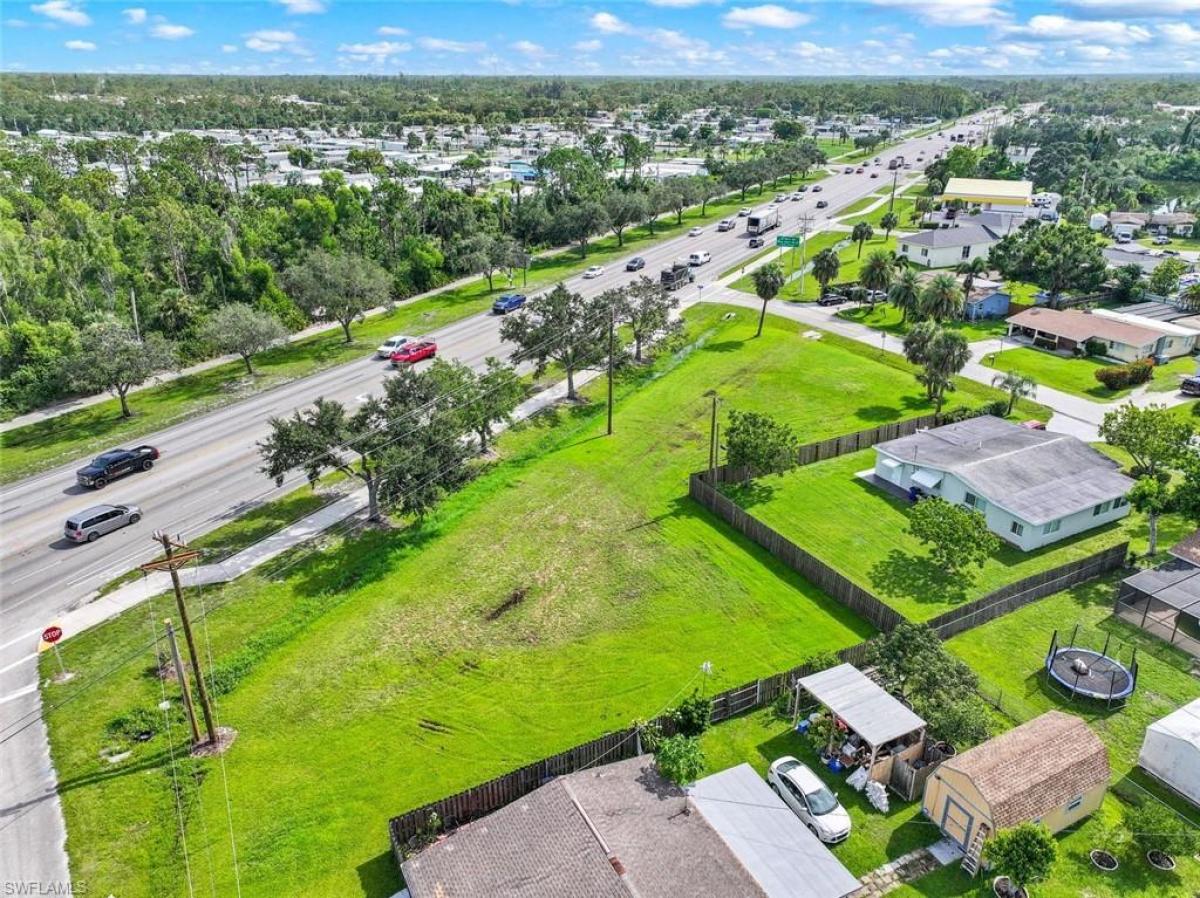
x=723, y=346
x=150, y=762
x=883, y=413
x=750, y=493
x=917, y=578
x=378, y=877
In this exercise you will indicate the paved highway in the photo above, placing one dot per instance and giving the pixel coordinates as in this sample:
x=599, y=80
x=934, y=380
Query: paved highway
x=208, y=474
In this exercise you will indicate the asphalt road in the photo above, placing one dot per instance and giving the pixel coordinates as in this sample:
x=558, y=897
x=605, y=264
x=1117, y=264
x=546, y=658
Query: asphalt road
x=208, y=475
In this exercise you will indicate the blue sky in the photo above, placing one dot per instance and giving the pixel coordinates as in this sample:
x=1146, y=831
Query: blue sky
x=625, y=37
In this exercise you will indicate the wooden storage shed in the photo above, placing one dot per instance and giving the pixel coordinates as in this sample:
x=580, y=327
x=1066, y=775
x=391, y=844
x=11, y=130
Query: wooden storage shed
x=1053, y=770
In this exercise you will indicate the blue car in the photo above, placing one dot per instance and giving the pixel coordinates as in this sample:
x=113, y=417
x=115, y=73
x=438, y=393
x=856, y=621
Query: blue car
x=509, y=302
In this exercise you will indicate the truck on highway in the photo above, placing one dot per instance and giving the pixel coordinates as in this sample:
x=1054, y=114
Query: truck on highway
x=895, y=162
x=761, y=222
x=680, y=274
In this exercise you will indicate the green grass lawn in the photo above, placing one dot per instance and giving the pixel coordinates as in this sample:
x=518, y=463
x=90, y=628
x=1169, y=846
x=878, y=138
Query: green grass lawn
x=793, y=261
x=569, y=589
x=903, y=207
x=36, y=447
x=862, y=532
x=1077, y=375
x=790, y=261
x=1179, y=243
x=888, y=318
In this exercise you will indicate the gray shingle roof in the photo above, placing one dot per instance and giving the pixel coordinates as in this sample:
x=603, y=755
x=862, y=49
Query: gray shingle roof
x=1036, y=475
x=568, y=839
x=1034, y=768
x=963, y=235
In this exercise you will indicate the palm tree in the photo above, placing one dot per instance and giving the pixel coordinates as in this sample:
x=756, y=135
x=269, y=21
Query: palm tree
x=825, y=267
x=942, y=298
x=1017, y=386
x=971, y=269
x=947, y=354
x=861, y=234
x=905, y=294
x=889, y=221
x=1189, y=297
x=768, y=281
x=876, y=274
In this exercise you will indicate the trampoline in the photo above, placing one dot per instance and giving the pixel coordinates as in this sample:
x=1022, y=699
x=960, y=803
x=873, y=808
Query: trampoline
x=1089, y=673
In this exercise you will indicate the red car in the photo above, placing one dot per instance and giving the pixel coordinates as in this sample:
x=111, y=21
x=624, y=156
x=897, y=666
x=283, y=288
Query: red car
x=414, y=352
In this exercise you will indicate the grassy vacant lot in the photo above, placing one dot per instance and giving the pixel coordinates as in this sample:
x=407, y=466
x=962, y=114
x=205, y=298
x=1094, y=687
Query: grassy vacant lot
x=862, y=532
x=791, y=263
x=903, y=208
x=888, y=318
x=1007, y=654
x=1078, y=375
x=36, y=447
x=569, y=589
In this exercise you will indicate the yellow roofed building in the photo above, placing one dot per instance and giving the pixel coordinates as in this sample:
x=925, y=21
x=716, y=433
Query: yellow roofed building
x=990, y=194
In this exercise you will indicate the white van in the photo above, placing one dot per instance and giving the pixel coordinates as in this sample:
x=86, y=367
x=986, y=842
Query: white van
x=700, y=258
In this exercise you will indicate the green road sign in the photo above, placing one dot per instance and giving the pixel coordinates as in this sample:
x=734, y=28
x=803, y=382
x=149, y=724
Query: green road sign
x=791, y=240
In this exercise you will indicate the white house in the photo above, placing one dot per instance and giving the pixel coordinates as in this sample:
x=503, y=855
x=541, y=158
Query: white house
x=1033, y=487
x=1126, y=337
x=947, y=247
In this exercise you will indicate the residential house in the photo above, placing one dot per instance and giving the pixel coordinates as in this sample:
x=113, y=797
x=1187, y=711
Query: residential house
x=1126, y=224
x=1172, y=224
x=947, y=247
x=1033, y=487
x=1051, y=770
x=1126, y=338
x=621, y=830
x=987, y=300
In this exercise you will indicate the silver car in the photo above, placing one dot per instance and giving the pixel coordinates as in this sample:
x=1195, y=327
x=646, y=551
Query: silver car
x=92, y=523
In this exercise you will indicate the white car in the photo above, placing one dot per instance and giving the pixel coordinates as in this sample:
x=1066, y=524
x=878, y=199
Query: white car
x=700, y=258
x=726, y=224
x=696, y=231
x=743, y=212
x=810, y=799
x=390, y=345
x=594, y=272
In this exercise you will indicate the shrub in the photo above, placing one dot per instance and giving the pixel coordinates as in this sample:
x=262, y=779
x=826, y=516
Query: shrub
x=132, y=724
x=1115, y=377
x=1095, y=347
x=1158, y=828
x=962, y=413
x=997, y=407
x=679, y=759
x=1140, y=371
x=693, y=715
x=1026, y=853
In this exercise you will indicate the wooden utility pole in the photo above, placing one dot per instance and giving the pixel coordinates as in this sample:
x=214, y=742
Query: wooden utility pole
x=712, y=443
x=612, y=344
x=172, y=563
x=183, y=681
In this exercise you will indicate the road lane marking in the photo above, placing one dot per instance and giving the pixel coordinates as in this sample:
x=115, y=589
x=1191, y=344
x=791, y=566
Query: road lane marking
x=29, y=657
x=25, y=690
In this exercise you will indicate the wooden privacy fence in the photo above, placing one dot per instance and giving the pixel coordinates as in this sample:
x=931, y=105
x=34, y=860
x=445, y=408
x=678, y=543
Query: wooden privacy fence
x=408, y=829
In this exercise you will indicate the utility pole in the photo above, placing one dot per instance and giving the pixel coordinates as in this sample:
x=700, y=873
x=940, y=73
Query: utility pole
x=712, y=442
x=172, y=563
x=805, y=221
x=137, y=328
x=892, y=201
x=612, y=344
x=181, y=671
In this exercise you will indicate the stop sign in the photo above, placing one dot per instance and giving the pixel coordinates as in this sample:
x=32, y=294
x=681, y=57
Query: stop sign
x=52, y=635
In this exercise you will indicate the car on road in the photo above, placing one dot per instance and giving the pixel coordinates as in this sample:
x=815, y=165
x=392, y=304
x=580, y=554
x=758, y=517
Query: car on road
x=822, y=204
x=832, y=299
x=1161, y=240
x=848, y=170
x=696, y=231
x=859, y=170
x=797, y=196
x=594, y=272
x=390, y=345
x=781, y=197
x=874, y=174
x=726, y=224
x=755, y=242
x=92, y=523
x=743, y=212
x=803, y=188
x=816, y=188
x=114, y=463
x=701, y=258
x=509, y=302
x=411, y=353
x=637, y=263
x=810, y=799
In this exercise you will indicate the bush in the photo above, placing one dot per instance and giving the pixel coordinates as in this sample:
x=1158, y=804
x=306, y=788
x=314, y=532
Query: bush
x=679, y=759
x=1095, y=347
x=693, y=715
x=1140, y=371
x=1026, y=853
x=998, y=407
x=1156, y=827
x=1114, y=377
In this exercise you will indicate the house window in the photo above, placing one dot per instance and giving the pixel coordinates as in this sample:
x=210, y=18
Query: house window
x=976, y=502
x=1052, y=527
x=1075, y=803
x=904, y=247
x=1120, y=502
x=966, y=252
x=1101, y=508
x=1017, y=528
x=924, y=252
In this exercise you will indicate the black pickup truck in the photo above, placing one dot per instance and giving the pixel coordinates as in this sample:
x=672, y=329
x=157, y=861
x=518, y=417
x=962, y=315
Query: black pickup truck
x=116, y=463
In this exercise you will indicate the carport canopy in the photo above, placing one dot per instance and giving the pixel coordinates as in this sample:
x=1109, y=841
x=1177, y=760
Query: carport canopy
x=864, y=706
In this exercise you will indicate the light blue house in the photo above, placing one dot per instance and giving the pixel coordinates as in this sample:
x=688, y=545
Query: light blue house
x=523, y=172
x=1033, y=487
x=988, y=303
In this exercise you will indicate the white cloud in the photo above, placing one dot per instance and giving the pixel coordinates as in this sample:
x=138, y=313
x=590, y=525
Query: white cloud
x=169, y=32
x=683, y=4
x=229, y=48
x=135, y=15
x=686, y=50
x=1099, y=53
x=302, y=7
x=390, y=31
x=769, y=15
x=1141, y=8
x=1061, y=28
x=591, y=46
x=1180, y=33
x=530, y=49
x=950, y=12
x=269, y=40
x=610, y=24
x=65, y=11
x=442, y=45
x=378, y=49
x=79, y=45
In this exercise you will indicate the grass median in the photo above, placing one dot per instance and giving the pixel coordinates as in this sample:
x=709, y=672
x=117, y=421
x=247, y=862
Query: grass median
x=72, y=435
x=570, y=588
